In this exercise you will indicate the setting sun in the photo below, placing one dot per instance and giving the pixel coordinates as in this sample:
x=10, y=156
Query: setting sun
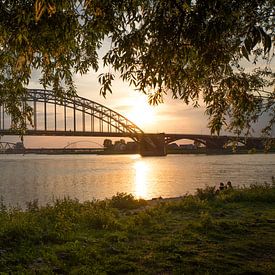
x=141, y=112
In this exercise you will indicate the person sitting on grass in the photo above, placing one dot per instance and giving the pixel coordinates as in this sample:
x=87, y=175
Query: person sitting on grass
x=229, y=185
x=222, y=187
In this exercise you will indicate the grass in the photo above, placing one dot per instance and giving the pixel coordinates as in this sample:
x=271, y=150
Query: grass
x=227, y=232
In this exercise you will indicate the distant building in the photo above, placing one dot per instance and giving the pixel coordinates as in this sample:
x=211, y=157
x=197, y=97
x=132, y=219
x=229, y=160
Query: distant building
x=120, y=146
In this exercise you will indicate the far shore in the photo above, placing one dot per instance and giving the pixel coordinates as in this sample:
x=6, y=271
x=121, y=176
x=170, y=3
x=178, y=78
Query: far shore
x=99, y=151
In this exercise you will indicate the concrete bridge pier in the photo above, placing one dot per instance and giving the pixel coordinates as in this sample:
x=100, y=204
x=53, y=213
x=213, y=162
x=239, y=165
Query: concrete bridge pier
x=152, y=145
x=215, y=143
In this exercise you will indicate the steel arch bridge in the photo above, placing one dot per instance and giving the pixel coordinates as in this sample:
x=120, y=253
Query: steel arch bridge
x=78, y=116
x=71, y=116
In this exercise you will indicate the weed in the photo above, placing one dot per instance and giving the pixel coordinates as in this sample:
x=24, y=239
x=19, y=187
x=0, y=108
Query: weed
x=98, y=218
x=3, y=207
x=254, y=193
x=207, y=193
x=206, y=222
x=188, y=203
x=125, y=201
x=32, y=205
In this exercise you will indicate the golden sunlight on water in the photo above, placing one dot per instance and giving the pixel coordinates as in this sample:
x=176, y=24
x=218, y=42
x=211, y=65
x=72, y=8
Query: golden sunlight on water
x=87, y=177
x=141, y=179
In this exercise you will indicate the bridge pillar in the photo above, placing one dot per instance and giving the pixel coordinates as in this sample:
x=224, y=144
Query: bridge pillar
x=215, y=143
x=152, y=145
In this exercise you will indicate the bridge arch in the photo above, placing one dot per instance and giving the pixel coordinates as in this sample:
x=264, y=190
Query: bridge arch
x=171, y=140
x=107, y=120
x=82, y=141
x=210, y=142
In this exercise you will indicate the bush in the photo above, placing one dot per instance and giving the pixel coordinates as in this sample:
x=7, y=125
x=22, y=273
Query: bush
x=187, y=203
x=19, y=227
x=207, y=193
x=206, y=221
x=125, y=201
x=3, y=207
x=253, y=193
x=98, y=218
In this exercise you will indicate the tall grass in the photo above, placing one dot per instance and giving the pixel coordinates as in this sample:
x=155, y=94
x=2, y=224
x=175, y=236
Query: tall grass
x=124, y=201
x=253, y=193
x=120, y=235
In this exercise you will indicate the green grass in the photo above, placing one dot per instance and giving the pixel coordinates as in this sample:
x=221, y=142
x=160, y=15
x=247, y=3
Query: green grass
x=229, y=232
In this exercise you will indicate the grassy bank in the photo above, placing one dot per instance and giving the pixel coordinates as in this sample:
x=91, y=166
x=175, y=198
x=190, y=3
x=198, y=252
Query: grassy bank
x=230, y=232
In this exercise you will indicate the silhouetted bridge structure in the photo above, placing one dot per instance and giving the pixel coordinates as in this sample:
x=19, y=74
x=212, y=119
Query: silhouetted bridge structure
x=4, y=146
x=78, y=116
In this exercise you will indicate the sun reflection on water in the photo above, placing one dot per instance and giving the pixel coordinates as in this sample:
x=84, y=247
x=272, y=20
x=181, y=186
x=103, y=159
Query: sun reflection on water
x=141, y=179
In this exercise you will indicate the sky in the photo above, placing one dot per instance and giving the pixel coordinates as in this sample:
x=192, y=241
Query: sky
x=172, y=116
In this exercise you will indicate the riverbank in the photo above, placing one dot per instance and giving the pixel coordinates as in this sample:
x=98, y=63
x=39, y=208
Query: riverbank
x=227, y=232
x=101, y=151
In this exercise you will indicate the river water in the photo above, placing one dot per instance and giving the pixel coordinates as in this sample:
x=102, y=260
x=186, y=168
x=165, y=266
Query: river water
x=87, y=177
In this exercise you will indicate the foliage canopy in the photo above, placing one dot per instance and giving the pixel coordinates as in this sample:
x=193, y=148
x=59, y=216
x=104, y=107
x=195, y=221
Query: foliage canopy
x=191, y=49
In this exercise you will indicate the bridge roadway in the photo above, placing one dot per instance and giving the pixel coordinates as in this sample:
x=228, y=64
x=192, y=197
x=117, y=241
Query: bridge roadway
x=152, y=143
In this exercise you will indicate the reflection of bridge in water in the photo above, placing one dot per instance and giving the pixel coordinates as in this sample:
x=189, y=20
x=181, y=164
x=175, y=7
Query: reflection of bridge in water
x=78, y=116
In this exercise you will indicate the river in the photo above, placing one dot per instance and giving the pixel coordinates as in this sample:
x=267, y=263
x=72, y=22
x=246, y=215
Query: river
x=86, y=177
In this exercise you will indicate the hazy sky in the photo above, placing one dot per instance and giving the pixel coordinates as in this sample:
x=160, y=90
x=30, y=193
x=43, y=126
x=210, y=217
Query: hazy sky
x=173, y=116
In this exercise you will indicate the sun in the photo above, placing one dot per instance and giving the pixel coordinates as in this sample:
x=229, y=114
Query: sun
x=141, y=113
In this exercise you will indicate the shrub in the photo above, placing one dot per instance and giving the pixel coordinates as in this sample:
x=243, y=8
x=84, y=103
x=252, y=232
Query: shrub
x=19, y=227
x=141, y=219
x=206, y=221
x=207, y=193
x=32, y=205
x=98, y=218
x=253, y=193
x=3, y=207
x=125, y=201
x=187, y=203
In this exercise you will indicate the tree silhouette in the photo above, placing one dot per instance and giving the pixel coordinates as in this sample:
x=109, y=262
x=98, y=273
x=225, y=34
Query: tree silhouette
x=190, y=49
